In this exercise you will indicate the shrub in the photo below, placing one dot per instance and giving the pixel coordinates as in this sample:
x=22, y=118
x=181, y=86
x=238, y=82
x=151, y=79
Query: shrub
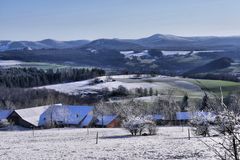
x=201, y=122
x=137, y=124
x=4, y=123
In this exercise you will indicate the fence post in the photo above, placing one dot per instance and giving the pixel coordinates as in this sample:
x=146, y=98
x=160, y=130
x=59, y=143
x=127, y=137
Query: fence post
x=97, y=138
x=182, y=126
x=33, y=131
x=188, y=134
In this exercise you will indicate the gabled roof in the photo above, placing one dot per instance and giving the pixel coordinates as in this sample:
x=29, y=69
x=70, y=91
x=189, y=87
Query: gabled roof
x=105, y=120
x=87, y=120
x=37, y=116
x=190, y=115
x=78, y=113
x=183, y=115
x=157, y=117
x=4, y=114
x=32, y=115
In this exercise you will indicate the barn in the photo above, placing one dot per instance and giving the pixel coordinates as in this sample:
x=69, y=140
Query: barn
x=56, y=115
x=108, y=121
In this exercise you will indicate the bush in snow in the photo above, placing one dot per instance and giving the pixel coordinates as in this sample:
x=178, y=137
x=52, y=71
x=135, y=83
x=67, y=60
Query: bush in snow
x=227, y=122
x=134, y=125
x=151, y=127
x=137, y=124
x=201, y=122
x=4, y=123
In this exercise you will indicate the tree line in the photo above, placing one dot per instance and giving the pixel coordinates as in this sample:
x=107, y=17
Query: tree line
x=32, y=77
x=214, y=76
x=17, y=98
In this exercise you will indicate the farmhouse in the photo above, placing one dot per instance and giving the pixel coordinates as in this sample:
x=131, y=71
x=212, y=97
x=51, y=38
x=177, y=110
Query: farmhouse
x=108, y=121
x=56, y=115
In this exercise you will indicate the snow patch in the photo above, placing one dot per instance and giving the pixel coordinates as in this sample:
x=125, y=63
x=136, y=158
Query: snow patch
x=92, y=50
x=169, y=53
x=207, y=51
x=131, y=54
x=9, y=62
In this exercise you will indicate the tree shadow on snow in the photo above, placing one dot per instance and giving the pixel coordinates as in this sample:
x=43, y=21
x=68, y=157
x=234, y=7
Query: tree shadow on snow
x=118, y=136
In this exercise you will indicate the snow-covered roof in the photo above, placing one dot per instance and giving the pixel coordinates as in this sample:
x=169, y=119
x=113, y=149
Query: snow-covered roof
x=190, y=115
x=105, y=120
x=157, y=117
x=67, y=114
x=87, y=120
x=78, y=113
x=32, y=115
x=183, y=115
x=4, y=114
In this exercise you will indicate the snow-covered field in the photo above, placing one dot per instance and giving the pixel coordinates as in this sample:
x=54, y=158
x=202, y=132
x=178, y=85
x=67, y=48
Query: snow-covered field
x=9, y=63
x=116, y=143
x=160, y=83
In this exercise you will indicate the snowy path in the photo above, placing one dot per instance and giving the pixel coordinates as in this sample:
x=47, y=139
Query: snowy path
x=170, y=143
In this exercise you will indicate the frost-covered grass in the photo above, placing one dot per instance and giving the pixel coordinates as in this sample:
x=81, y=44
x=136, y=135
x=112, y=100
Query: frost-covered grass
x=214, y=85
x=116, y=143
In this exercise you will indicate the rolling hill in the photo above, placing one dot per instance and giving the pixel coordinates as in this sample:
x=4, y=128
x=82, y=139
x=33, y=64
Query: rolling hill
x=162, y=54
x=214, y=65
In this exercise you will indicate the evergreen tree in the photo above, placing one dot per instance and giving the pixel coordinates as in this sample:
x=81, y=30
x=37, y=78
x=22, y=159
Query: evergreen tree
x=150, y=91
x=184, y=103
x=205, y=101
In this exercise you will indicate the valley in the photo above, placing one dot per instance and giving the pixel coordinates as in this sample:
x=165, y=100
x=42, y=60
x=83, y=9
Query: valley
x=160, y=54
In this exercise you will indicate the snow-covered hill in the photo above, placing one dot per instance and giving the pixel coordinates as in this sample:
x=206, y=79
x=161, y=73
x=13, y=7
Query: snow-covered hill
x=160, y=83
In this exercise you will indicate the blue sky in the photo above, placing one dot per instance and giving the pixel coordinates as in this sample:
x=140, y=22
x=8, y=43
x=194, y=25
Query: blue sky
x=92, y=19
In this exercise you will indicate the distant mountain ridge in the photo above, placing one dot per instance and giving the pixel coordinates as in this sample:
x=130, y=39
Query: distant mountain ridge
x=43, y=44
x=158, y=41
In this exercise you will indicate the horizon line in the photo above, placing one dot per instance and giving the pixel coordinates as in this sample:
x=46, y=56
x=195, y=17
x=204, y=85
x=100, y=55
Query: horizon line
x=112, y=38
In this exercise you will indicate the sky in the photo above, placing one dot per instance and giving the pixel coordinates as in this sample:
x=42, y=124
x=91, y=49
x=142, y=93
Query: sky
x=93, y=19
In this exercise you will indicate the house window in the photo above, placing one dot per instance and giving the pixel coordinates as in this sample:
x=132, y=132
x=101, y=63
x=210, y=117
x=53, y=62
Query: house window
x=44, y=119
x=77, y=115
